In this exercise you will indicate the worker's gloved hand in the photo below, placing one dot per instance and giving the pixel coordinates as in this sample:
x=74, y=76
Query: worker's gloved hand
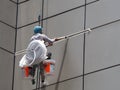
x=60, y=38
x=57, y=39
x=50, y=44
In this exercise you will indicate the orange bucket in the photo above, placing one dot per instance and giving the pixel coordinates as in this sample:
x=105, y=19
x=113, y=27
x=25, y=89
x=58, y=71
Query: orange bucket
x=26, y=70
x=47, y=68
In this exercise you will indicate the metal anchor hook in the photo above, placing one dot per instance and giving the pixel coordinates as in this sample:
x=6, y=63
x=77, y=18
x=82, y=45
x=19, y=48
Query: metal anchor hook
x=39, y=19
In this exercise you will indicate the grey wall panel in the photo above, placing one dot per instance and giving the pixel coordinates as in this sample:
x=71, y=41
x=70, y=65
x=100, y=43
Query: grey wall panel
x=90, y=1
x=14, y=0
x=19, y=0
x=102, y=47
x=7, y=37
x=45, y=8
x=22, y=0
x=65, y=24
x=6, y=66
x=57, y=6
x=23, y=37
x=74, y=84
x=73, y=63
x=29, y=12
x=52, y=87
x=103, y=80
x=8, y=12
x=102, y=12
x=57, y=54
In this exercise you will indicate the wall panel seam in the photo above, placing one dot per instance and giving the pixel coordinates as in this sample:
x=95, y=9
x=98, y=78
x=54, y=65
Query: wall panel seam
x=58, y=14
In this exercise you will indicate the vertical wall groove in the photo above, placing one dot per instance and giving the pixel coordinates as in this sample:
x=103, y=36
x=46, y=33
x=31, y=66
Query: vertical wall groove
x=16, y=25
x=84, y=40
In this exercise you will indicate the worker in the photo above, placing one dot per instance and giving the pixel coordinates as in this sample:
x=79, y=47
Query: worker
x=36, y=51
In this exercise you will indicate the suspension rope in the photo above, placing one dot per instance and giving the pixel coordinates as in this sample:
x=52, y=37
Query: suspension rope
x=64, y=37
x=38, y=77
x=38, y=70
x=39, y=67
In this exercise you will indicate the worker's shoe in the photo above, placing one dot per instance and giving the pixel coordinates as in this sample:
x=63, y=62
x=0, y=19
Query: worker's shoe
x=44, y=83
x=33, y=81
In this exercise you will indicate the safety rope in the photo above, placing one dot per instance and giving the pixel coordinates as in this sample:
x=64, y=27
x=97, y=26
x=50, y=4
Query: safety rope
x=64, y=37
x=38, y=68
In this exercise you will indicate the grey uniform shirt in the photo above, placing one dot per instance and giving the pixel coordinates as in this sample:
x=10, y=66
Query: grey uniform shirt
x=42, y=37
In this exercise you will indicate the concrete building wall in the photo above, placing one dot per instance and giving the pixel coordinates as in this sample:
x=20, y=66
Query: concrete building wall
x=83, y=62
